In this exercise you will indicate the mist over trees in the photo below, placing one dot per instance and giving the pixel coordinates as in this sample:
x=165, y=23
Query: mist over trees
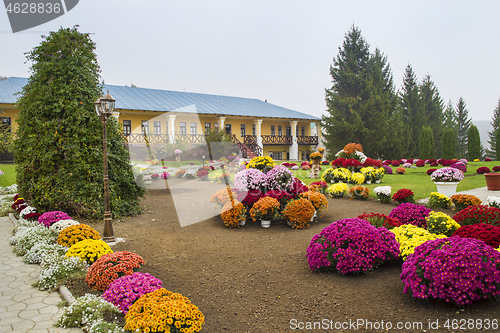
x=363, y=106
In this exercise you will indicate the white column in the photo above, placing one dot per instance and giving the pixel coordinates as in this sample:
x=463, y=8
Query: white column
x=222, y=120
x=171, y=131
x=116, y=114
x=258, y=122
x=294, y=148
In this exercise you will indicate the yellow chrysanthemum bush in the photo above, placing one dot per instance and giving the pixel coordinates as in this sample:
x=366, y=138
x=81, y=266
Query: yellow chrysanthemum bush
x=299, y=212
x=410, y=236
x=357, y=178
x=232, y=213
x=369, y=173
x=441, y=224
x=76, y=233
x=164, y=311
x=337, y=190
x=317, y=199
x=263, y=163
x=438, y=200
x=89, y=250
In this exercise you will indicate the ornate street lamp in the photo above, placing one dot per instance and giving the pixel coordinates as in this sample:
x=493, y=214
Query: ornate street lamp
x=104, y=107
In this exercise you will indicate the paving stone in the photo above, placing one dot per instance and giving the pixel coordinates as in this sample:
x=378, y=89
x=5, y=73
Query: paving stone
x=8, y=314
x=23, y=326
x=20, y=297
x=28, y=314
x=17, y=306
x=50, y=309
x=13, y=320
x=10, y=292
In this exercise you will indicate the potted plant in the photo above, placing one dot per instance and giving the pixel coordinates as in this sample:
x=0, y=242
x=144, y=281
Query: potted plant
x=446, y=180
x=316, y=157
x=265, y=210
x=299, y=212
x=317, y=199
x=177, y=153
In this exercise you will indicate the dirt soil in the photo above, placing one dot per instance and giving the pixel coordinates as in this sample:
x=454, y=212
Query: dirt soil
x=254, y=279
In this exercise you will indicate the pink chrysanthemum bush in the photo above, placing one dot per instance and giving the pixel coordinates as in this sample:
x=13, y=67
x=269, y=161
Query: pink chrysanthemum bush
x=49, y=218
x=410, y=213
x=457, y=270
x=351, y=246
x=124, y=291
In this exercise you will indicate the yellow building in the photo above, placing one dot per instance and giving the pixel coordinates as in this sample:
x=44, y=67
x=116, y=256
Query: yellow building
x=258, y=127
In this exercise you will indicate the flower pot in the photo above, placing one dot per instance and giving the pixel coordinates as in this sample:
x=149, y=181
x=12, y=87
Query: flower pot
x=446, y=188
x=492, y=181
x=265, y=223
x=289, y=222
x=368, y=182
x=242, y=222
x=316, y=161
x=378, y=181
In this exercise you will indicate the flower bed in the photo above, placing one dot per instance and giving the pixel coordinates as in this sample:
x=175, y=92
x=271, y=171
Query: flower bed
x=487, y=233
x=472, y=271
x=410, y=213
x=478, y=214
x=351, y=246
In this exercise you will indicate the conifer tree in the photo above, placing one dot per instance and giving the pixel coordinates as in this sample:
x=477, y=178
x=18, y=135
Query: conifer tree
x=498, y=146
x=426, y=143
x=413, y=115
x=432, y=105
x=450, y=116
x=474, y=143
x=448, y=144
x=495, y=124
x=59, y=148
x=359, y=102
x=463, y=124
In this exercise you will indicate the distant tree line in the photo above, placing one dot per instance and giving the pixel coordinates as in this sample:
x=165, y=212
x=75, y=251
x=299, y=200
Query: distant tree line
x=363, y=106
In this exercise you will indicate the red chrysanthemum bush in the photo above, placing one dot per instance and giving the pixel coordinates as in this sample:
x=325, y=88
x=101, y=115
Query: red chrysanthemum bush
x=478, y=214
x=404, y=195
x=110, y=267
x=488, y=233
x=380, y=220
x=496, y=168
x=483, y=170
x=430, y=171
x=472, y=271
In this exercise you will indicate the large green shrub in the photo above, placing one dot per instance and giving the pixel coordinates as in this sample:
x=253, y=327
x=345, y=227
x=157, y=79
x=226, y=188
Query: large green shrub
x=426, y=144
x=59, y=150
x=474, y=147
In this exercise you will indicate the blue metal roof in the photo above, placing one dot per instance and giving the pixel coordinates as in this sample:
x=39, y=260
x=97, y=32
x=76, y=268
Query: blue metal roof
x=133, y=98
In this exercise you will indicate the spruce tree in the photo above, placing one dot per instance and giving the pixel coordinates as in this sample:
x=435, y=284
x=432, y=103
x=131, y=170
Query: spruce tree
x=474, y=143
x=59, y=146
x=495, y=124
x=498, y=146
x=448, y=144
x=361, y=97
x=463, y=124
x=413, y=115
x=432, y=105
x=450, y=116
x=426, y=143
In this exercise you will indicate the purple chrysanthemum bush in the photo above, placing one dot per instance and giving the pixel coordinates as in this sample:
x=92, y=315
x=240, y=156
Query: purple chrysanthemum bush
x=410, y=213
x=124, y=291
x=49, y=218
x=351, y=246
x=457, y=270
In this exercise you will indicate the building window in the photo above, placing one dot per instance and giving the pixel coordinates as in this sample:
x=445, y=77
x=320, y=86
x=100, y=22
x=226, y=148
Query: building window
x=243, y=130
x=276, y=155
x=228, y=128
x=273, y=130
x=288, y=131
x=207, y=128
x=296, y=130
x=182, y=128
x=127, y=127
x=157, y=127
x=5, y=121
x=145, y=126
x=216, y=125
x=193, y=128
x=303, y=131
x=253, y=130
x=280, y=130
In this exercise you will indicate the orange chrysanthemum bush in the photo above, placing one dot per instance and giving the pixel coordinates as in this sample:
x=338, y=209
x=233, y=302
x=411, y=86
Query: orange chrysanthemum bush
x=76, y=233
x=299, y=212
x=266, y=208
x=462, y=201
x=223, y=196
x=110, y=267
x=317, y=199
x=351, y=147
x=232, y=213
x=164, y=311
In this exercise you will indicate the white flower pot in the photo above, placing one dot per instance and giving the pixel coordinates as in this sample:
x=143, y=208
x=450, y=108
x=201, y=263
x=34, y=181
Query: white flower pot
x=447, y=188
x=289, y=222
x=368, y=181
x=242, y=222
x=377, y=181
x=265, y=223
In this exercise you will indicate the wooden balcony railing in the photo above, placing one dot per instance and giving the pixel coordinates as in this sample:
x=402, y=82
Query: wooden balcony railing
x=307, y=140
x=286, y=140
x=159, y=138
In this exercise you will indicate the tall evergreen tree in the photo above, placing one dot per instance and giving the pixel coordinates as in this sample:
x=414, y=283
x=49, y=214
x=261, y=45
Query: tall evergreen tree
x=463, y=124
x=450, y=116
x=498, y=146
x=432, y=105
x=448, y=144
x=495, y=124
x=426, y=143
x=359, y=101
x=474, y=148
x=59, y=148
x=412, y=110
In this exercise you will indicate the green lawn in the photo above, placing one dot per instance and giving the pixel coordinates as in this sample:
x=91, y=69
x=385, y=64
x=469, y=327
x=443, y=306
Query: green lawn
x=9, y=176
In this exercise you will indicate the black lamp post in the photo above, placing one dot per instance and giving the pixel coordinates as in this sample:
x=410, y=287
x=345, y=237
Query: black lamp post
x=104, y=107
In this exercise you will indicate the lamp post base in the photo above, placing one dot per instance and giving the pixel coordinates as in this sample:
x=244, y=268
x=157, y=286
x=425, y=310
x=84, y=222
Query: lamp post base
x=110, y=239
